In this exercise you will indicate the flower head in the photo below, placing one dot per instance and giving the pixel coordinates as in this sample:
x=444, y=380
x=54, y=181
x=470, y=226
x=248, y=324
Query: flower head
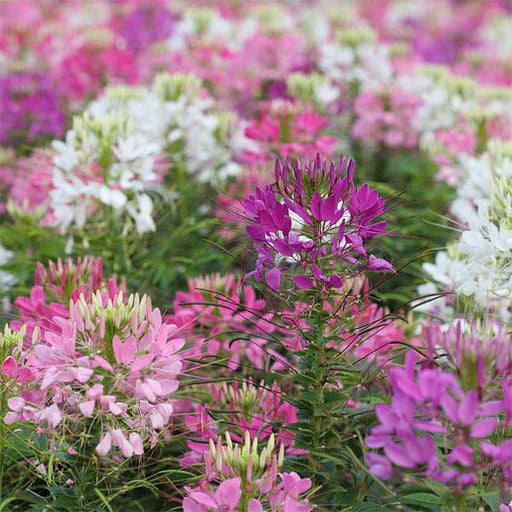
x=314, y=219
x=109, y=367
x=289, y=129
x=249, y=472
x=426, y=403
x=258, y=411
x=58, y=283
x=29, y=107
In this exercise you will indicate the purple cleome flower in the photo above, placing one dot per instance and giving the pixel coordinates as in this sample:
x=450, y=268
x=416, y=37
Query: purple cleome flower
x=315, y=219
x=29, y=107
x=147, y=24
x=430, y=402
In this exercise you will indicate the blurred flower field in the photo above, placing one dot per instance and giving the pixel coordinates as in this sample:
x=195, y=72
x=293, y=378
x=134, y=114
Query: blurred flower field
x=255, y=256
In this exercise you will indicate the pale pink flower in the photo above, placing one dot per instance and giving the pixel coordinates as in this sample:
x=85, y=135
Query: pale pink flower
x=224, y=499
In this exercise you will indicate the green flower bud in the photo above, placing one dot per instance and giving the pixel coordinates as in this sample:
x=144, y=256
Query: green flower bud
x=171, y=87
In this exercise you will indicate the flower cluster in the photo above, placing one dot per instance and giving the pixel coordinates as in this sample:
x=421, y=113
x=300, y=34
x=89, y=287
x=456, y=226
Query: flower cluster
x=89, y=358
x=429, y=403
x=249, y=479
x=144, y=25
x=481, y=355
x=114, y=155
x=240, y=409
x=102, y=162
x=228, y=321
x=29, y=181
x=239, y=56
x=109, y=369
x=92, y=64
x=61, y=282
x=385, y=118
x=288, y=129
x=313, y=88
x=478, y=266
x=317, y=220
x=29, y=108
x=354, y=59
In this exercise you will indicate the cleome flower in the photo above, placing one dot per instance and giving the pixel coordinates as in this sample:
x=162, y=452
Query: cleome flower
x=386, y=118
x=29, y=107
x=241, y=408
x=477, y=268
x=122, y=146
x=480, y=353
x=248, y=479
x=430, y=407
x=58, y=283
x=314, y=220
x=108, y=369
x=288, y=128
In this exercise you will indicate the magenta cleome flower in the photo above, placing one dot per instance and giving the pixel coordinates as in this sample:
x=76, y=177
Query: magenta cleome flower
x=288, y=128
x=29, y=108
x=315, y=221
x=146, y=24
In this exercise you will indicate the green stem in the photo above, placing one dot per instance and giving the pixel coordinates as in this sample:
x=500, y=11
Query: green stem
x=320, y=423
x=244, y=499
x=381, y=159
x=460, y=502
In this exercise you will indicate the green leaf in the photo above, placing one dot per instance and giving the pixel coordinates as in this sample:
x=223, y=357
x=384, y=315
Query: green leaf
x=493, y=500
x=65, y=497
x=423, y=499
x=437, y=487
x=370, y=507
x=103, y=499
x=31, y=497
x=6, y=502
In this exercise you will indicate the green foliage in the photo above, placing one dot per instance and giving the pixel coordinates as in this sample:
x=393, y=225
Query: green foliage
x=184, y=245
x=30, y=243
x=417, y=209
x=73, y=482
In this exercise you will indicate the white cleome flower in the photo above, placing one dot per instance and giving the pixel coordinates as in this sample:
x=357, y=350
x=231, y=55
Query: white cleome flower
x=478, y=267
x=7, y=280
x=113, y=155
x=142, y=215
